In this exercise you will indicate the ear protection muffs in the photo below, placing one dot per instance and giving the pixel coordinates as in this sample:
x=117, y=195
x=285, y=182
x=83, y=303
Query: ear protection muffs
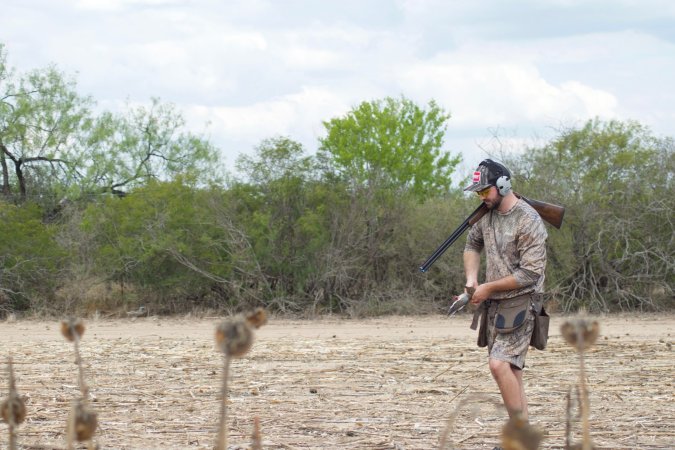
x=503, y=185
x=503, y=181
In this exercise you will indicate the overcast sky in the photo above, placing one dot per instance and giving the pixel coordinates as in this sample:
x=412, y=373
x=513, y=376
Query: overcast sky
x=243, y=71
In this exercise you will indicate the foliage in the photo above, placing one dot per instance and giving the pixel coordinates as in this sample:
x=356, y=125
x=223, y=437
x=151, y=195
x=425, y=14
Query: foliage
x=145, y=144
x=52, y=146
x=425, y=228
x=29, y=261
x=158, y=239
x=388, y=155
x=42, y=119
x=392, y=144
x=616, y=250
x=137, y=201
x=283, y=216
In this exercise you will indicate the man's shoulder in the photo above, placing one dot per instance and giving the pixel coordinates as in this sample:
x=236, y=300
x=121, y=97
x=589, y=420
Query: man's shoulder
x=530, y=222
x=527, y=210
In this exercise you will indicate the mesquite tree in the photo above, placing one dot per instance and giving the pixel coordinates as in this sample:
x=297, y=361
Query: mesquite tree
x=617, y=246
x=53, y=145
x=42, y=119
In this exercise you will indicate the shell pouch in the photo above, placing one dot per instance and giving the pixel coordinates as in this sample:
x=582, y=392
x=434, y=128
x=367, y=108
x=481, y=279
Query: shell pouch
x=540, y=332
x=511, y=313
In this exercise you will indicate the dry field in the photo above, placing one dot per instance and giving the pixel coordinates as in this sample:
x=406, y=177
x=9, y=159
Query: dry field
x=387, y=383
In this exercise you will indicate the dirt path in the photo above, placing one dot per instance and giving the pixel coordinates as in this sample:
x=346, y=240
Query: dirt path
x=388, y=383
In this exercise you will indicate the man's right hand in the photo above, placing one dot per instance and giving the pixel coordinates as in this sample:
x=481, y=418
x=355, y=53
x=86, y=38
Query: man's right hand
x=482, y=292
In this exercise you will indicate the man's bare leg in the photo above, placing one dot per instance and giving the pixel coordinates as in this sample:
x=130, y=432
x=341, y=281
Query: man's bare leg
x=523, y=401
x=510, y=382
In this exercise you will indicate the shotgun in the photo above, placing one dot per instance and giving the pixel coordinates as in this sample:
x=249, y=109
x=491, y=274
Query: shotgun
x=551, y=213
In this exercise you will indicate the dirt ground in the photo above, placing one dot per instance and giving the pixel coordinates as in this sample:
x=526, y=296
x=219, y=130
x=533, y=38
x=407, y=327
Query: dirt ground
x=385, y=383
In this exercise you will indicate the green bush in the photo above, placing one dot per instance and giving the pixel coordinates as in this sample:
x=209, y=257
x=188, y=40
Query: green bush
x=30, y=258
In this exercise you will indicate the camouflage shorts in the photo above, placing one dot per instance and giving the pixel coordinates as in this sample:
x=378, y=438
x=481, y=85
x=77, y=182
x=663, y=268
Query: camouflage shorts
x=510, y=347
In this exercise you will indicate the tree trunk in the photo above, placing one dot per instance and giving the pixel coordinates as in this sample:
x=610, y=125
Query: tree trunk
x=6, y=189
x=20, y=178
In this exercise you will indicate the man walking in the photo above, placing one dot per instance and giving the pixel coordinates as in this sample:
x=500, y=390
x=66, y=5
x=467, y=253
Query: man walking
x=513, y=237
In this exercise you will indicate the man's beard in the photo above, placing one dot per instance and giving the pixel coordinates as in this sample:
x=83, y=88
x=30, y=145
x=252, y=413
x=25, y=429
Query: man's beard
x=495, y=204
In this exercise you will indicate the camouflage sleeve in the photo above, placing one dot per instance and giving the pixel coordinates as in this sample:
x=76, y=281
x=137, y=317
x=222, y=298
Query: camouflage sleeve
x=532, y=248
x=474, y=240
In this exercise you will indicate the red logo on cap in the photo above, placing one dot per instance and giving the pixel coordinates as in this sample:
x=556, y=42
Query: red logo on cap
x=476, y=177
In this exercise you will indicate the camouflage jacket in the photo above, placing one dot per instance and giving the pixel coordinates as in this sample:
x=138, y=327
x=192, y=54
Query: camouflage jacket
x=515, y=244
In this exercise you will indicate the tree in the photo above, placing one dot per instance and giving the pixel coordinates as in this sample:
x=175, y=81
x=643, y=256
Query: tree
x=616, y=248
x=55, y=145
x=128, y=150
x=391, y=143
x=281, y=219
x=41, y=119
x=388, y=152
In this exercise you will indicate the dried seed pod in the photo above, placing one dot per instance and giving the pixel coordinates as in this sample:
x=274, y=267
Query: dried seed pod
x=569, y=333
x=85, y=422
x=71, y=328
x=518, y=434
x=257, y=318
x=13, y=407
x=234, y=337
x=580, y=333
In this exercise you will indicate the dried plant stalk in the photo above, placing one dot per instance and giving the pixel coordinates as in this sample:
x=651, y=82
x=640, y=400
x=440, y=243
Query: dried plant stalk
x=221, y=443
x=568, y=419
x=234, y=338
x=444, y=440
x=256, y=437
x=82, y=420
x=585, y=406
x=13, y=408
x=582, y=334
x=72, y=330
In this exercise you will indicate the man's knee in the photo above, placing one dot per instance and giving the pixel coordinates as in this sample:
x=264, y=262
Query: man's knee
x=498, y=367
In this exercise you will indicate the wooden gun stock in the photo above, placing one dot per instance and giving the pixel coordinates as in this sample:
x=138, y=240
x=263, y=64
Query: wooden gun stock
x=551, y=213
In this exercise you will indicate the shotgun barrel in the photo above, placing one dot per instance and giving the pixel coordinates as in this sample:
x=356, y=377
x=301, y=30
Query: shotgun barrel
x=473, y=218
